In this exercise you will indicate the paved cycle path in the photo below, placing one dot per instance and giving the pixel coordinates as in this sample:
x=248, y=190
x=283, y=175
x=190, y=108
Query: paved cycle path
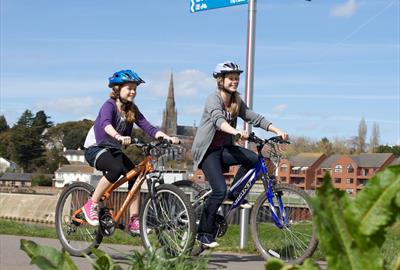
x=13, y=258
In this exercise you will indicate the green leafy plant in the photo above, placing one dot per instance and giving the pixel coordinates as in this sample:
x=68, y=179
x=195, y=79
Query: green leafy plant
x=352, y=232
x=48, y=258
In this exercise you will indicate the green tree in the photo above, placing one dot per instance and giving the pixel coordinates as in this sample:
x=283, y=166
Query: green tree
x=40, y=122
x=61, y=133
x=374, y=141
x=27, y=147
x=5, y=144
x=54, y=159
x=325, y=146
x=74, y=139
x=300, y=145
x=362, y=135
x=395, y=149
x=3, y=124
x=41, y=180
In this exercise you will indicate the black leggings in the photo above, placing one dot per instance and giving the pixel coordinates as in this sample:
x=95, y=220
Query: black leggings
x=114, y=163
x=212, y=166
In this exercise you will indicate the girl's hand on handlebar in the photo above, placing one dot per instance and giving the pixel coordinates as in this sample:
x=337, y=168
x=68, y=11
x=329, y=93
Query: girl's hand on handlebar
x=174, y=140
x=284, y=136
x=243, y=134
x=125, y=140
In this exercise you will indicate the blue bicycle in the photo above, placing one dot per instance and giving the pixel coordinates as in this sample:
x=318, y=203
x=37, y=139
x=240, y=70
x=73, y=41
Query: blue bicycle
x=281, y=217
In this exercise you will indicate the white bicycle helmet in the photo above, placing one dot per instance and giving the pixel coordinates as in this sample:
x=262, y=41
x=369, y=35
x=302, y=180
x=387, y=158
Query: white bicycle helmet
x=226, y=67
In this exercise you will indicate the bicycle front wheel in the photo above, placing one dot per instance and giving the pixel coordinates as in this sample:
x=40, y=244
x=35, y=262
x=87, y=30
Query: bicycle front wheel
x=77, y=237
x=168, y=223
x=294, y=239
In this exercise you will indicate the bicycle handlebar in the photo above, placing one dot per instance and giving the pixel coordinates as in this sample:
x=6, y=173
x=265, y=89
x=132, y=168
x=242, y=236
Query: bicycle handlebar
x=160, y=143
x=253, y=138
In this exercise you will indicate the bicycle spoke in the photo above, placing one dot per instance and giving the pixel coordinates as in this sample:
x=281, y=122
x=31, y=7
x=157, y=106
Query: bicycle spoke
x=295, y=240
x=172, y=225
x=75, y=237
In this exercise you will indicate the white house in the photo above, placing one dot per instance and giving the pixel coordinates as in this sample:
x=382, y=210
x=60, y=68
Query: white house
x=7, y=164
x=75, y=156
x=173, y=176
x=68, y=174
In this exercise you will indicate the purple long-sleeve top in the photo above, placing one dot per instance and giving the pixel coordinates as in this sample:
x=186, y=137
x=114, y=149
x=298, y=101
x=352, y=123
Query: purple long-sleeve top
x=108, y=115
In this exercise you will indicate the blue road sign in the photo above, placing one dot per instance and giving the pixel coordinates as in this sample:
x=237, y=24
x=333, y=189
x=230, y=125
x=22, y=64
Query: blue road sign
x=200, y=5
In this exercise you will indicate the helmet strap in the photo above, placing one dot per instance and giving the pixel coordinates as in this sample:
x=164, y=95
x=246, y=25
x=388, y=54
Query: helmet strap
x=124, y=102
x=223, y=87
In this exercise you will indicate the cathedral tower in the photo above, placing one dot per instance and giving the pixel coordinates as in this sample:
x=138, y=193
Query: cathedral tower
x=169, y=123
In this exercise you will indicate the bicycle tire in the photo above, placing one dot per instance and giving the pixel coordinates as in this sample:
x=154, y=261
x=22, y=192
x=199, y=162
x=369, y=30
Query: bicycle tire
x=294, y=242
x=194, y=189
x=174, y=232
x=77, y=239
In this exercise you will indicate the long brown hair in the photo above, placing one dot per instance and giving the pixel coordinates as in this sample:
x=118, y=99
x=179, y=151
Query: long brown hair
x=235, y=98
x=129, y=109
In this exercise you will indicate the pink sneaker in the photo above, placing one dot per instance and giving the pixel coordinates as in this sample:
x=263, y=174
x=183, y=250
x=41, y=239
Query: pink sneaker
x=91, y=212
x=133, y=225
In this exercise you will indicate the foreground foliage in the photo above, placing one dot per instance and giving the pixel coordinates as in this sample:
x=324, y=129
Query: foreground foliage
x=48, y=258
x=352, y=232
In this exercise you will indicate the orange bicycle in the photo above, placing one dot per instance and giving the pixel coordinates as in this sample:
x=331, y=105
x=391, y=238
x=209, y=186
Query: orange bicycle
x=166, y=216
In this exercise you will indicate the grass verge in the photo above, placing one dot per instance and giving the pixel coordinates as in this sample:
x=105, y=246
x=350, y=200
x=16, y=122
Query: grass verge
x=229, y=242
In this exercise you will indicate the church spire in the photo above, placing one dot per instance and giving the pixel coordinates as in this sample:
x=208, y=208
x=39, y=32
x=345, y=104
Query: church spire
x=169, y=124
x=171, y=98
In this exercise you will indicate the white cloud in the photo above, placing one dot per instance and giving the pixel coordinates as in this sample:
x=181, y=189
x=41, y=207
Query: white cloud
x=346, y=9
x=279, y=109
x=187, y=83
x=75, y=105
x=333, y=96
x=39, y=88
x=196, y=110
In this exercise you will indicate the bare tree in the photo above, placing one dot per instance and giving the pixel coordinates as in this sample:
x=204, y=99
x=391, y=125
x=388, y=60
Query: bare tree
x=374, y=140
x=362, y=135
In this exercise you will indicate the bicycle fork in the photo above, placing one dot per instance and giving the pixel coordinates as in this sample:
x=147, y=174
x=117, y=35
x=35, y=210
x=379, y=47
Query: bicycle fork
x=279, y=222
x=151, y=184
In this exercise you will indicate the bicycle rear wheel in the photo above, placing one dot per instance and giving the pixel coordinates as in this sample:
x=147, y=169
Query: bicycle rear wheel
x=77, y=237
x=196, y=192
x=296, y=240
x=174, y=230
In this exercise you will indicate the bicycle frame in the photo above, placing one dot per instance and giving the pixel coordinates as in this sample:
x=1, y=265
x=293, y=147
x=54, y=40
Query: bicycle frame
x=250, y=178
x=143, y=169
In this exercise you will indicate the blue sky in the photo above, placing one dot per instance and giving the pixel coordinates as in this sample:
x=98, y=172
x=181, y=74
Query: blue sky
x=320, y=66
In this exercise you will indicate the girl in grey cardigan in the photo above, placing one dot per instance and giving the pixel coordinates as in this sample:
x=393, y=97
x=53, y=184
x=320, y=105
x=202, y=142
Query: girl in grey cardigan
x=213, y=147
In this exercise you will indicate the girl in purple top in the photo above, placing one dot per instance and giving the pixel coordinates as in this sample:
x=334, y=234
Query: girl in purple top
x=111, y=130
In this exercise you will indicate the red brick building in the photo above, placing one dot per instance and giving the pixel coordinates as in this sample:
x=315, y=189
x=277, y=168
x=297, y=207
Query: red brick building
x=352, y=172
x=306, y=170
x=300, y=169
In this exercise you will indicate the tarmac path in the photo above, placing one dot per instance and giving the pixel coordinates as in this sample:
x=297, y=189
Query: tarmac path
x=13, y=258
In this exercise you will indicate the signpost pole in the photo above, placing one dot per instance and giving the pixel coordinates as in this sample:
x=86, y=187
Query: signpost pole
x=251, y=33
x=251, y=36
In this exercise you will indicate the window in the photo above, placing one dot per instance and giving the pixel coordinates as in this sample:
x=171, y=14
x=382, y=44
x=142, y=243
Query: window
x=362, y=182
x=296, y=170
x=349, y=181
x=338, y=168
x=338, y=180
x=283, y=168
x=350, y=168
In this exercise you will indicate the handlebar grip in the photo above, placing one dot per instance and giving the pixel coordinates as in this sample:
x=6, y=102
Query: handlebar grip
x=237, y=136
